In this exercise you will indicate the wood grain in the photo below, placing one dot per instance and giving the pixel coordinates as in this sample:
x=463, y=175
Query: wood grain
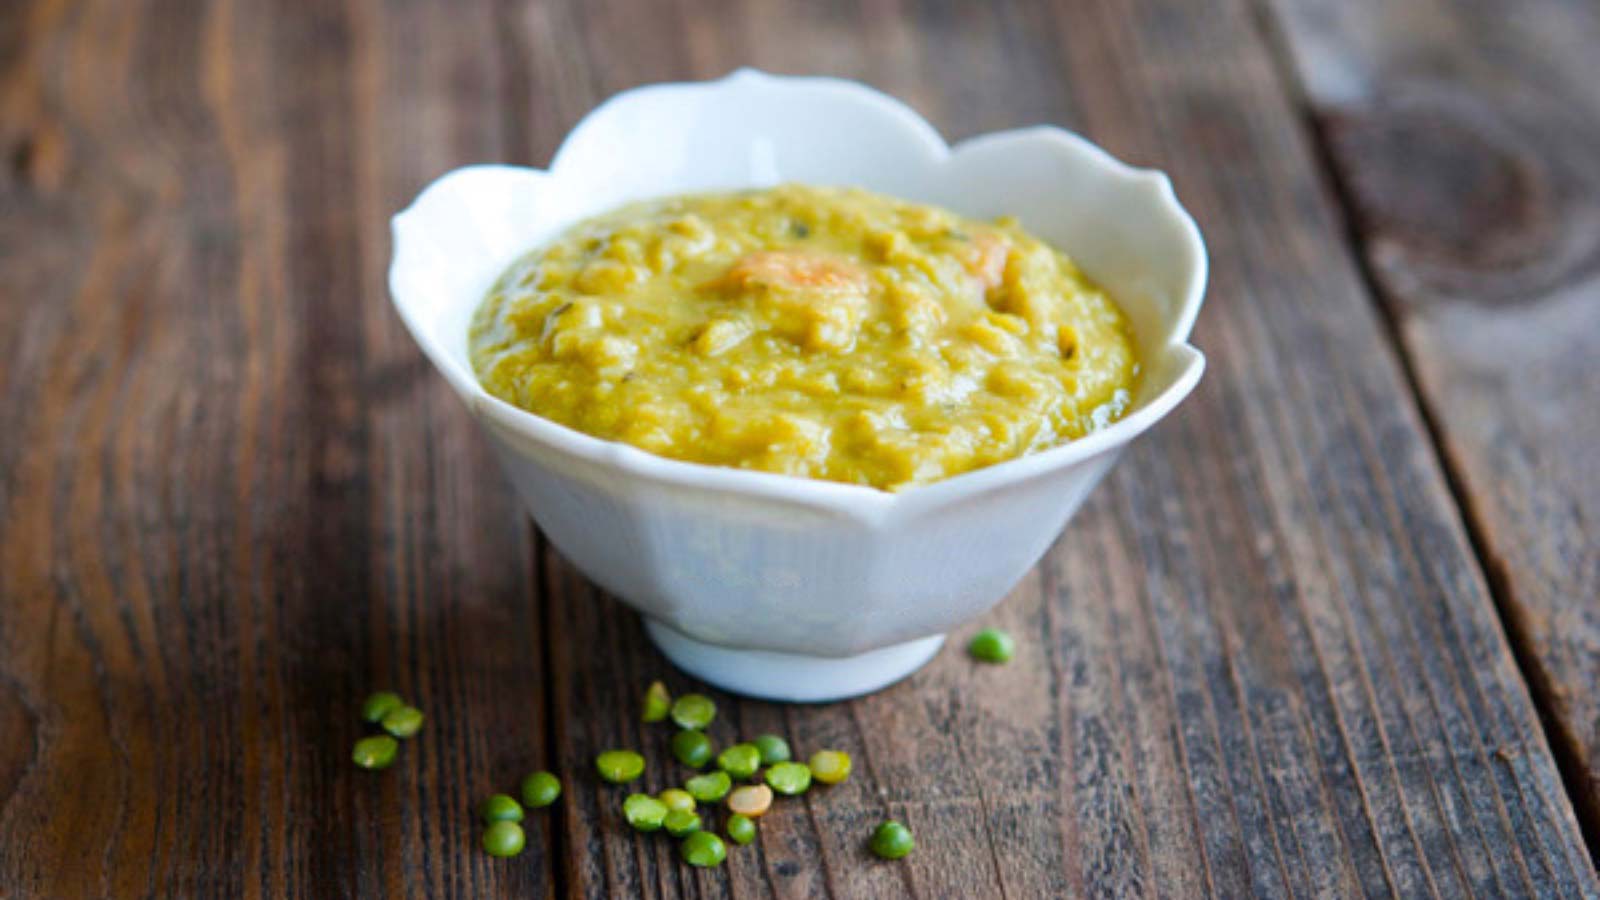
x=1467, y=142
x=1262, y=662
x=233, y=498
x=1264, y=659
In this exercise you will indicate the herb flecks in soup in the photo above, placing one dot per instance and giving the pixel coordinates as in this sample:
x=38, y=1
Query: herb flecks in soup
x=817, y=332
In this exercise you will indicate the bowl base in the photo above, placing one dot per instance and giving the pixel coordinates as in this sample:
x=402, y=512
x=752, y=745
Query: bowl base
x=791, y=677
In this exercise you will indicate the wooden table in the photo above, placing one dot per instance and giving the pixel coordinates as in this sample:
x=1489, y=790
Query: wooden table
x=1333, y=629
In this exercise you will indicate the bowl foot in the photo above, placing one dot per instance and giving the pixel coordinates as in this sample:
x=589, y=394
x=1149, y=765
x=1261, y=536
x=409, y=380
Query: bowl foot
x=791, y=677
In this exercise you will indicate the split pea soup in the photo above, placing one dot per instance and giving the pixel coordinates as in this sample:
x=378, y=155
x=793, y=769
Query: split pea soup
x=817, y=332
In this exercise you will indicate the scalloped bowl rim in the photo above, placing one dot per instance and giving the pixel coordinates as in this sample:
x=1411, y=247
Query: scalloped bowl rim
x=856, y=501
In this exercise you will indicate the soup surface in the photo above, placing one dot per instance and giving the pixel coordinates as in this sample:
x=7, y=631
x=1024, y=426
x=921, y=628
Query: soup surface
x=818, y=332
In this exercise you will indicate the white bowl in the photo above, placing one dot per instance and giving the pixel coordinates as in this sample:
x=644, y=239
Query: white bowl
x=764, y=584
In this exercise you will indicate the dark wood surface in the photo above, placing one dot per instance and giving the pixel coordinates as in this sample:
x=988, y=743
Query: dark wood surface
x=1467, y=144
x=1267, y=658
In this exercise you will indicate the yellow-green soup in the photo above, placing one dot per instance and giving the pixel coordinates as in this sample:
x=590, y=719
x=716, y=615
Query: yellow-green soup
x=819, y=332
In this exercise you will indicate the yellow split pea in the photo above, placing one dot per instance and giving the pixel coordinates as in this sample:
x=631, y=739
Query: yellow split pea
x=818, y=332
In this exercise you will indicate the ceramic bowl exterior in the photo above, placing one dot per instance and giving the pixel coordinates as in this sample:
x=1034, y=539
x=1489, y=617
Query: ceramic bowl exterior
x=766, y=584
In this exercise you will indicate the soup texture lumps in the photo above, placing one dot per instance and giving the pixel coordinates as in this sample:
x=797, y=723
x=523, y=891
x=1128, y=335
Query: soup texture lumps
x=825, y=333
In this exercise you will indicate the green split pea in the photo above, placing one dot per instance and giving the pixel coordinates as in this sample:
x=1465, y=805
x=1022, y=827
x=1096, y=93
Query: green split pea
x=694, y=711
x=892, y=840
x=540, y=790
x=742, y=829
x=992, y=645
x=704, y=849
x=681, y=822
x=504, y=838
x=692, y=748
x=789, y=778
x=644, y=812
x=773, y=749
x=710, y=787
x=619, y=766
x=378, y=705
x=740, y=760
x=657, y=702
x=501, y=808
x=375, y=752
x=402, y=721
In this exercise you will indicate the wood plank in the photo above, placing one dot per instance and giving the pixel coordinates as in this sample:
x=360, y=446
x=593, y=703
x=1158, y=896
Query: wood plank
x=1263, y=660
x=232, y=497
x=1464, y=138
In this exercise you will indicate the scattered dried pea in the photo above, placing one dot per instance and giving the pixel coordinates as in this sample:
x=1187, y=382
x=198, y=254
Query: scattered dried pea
x=677, y=799
x=501, y=808
x=704, y=849
x=692, y=748
x=619, y=766
x=644, y=812
x=741, y=829
x=789, y=778
x=504, y=839
x=540, y=790
x=657, y=702
x=710, y=787
x=992, y=645
x=375, y=752
x=773, y=749
x=751, y=800
x=693, y=711
x=892, y=840
x=740, y=760
x=402, y=721
x=682, y=822
x=378, y=705
x=830, y=766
